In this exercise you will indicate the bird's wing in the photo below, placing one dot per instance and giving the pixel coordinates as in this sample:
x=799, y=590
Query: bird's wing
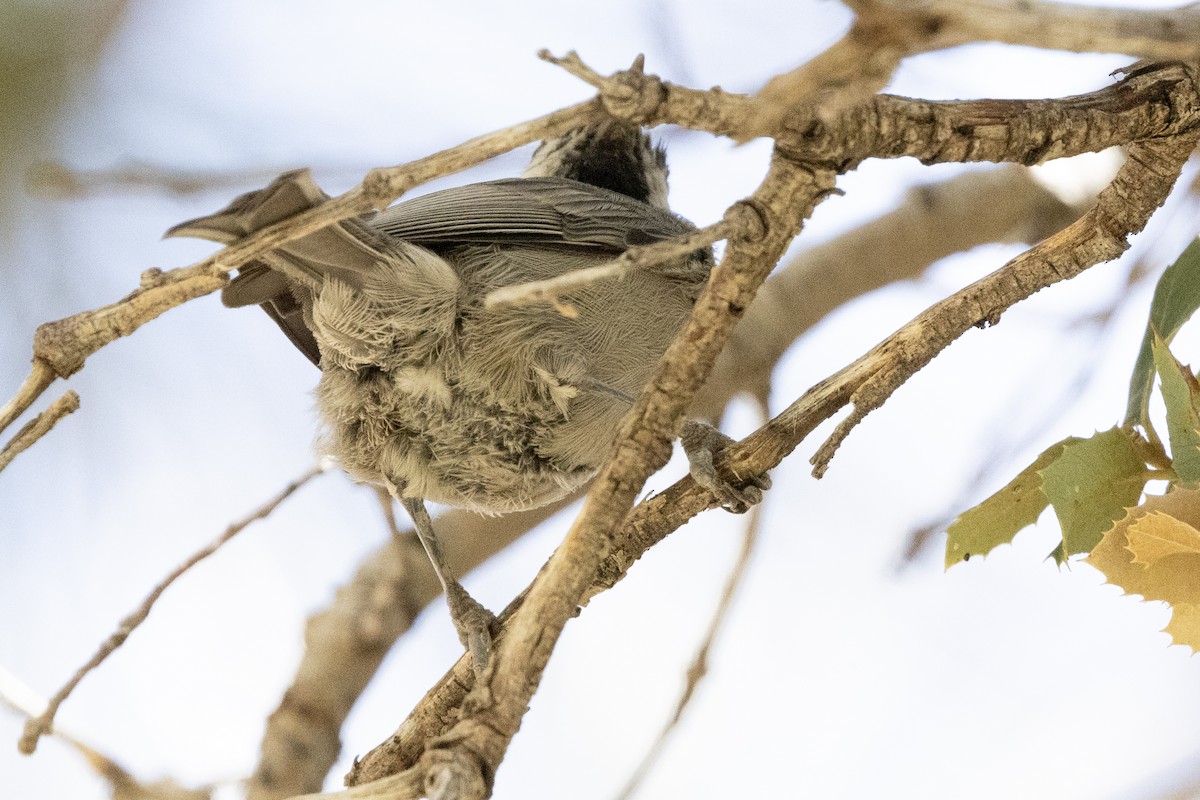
x=548, y=211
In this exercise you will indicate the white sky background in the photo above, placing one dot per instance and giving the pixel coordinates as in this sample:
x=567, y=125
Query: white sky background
x=839, y=675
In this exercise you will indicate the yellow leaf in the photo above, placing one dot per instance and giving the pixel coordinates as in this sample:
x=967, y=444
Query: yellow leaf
x=1156, y=535
x=1171, y=576
x=1184, y=626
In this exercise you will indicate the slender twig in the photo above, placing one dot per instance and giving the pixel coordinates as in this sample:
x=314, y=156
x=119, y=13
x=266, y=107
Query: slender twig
x=60, y=348
x=551, y=290
x=36, y=727
x=38, y=427
x=387, y=504
x=54, y=180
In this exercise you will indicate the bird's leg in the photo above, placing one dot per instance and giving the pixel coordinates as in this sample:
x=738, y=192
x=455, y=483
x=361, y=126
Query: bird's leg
x=700, y=442
x=471, y=619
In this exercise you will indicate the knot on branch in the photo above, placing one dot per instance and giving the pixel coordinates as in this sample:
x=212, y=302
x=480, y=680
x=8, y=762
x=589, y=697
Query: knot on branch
x=811, y=136
x=453, y=769
x=382, y=186
x=151, y=278
x=630, y=94
x=54, y=344
x=749, y=220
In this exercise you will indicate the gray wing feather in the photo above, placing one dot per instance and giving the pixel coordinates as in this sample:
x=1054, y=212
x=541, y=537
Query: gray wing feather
x=543, y=212
x=548, y=211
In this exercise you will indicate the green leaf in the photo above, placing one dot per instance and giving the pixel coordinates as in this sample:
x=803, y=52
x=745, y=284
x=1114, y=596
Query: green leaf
x=999, y=518
x=1176, y=298
x=1091, y=484
x=1181, y=393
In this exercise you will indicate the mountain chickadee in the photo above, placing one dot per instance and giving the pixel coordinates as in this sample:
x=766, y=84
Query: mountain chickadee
x=427, y=392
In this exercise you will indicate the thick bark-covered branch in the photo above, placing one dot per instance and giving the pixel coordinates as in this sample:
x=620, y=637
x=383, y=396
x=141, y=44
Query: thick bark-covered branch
x=885, y=32
x=1154, y=101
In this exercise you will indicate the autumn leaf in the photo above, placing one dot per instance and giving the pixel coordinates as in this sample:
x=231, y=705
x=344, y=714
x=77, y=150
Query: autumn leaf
x=1156, y=535
x=1154, y=551
x=1184, y=626
x=1091, y=484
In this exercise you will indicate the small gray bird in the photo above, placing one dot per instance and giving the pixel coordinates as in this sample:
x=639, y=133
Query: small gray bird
x=427, y=392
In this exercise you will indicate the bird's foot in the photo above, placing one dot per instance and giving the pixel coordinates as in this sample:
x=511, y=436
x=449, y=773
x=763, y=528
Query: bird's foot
x=700, y=442
x=474, y=624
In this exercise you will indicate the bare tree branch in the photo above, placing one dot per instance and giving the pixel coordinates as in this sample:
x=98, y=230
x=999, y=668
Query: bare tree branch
x=122, y=783
x=39, y=378
x=53, y=180
x=1150, y=102
x=638, y=257
x=1101, y=235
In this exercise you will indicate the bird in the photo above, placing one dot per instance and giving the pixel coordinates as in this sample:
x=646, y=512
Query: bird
x=430, y=393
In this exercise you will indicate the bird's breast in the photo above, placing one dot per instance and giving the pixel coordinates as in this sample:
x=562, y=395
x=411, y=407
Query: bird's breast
x=418, y=429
